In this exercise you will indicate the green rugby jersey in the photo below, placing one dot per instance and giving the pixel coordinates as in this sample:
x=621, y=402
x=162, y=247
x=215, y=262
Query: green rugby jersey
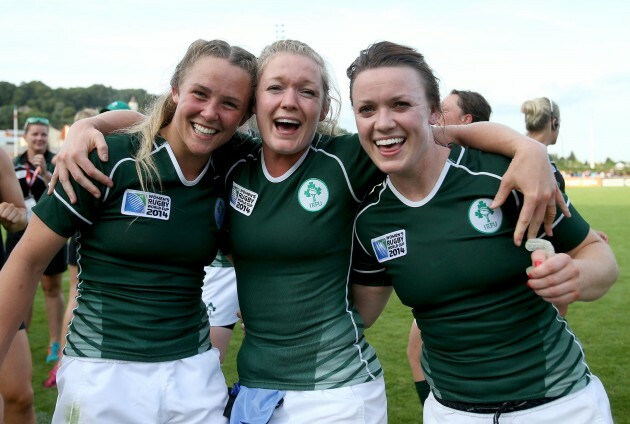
x=291, y=241
x=141, y=257
x=487, y=336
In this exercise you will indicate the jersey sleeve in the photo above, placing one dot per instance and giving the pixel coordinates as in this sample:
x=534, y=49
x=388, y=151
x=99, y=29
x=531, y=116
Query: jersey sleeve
x=366, y=271
x=60, y=215
x=568, y=233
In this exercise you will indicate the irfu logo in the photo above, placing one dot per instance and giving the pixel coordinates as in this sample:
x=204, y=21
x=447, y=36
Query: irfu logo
x=313, y=195
x=484, y=219
x=312, y=190
x=483, y=211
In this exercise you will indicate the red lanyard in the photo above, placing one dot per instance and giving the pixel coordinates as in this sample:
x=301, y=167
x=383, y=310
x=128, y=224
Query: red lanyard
x=31, y=177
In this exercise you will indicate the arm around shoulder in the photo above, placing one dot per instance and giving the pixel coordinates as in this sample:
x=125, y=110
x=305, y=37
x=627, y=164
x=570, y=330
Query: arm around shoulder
x=84, y=136
x=529, y=173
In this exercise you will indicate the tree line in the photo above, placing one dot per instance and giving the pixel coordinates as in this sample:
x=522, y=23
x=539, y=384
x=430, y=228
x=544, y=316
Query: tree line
x=59, y=105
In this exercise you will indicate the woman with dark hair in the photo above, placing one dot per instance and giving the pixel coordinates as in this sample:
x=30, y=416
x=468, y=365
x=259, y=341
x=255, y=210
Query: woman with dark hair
x=494, y=344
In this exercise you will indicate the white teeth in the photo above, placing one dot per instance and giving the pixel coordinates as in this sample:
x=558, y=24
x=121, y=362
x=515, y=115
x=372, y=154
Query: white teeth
x=389, y=141
x=203, y=130
x=288, y=121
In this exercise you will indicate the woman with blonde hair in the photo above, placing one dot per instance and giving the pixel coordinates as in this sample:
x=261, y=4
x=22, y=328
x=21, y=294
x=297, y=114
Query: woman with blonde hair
x=542, y=122
x=138, y=348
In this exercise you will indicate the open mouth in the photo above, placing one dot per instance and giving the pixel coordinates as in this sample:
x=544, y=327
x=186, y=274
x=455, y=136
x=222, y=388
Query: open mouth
x=388, y=144
x=201, y=130
x=287, y=125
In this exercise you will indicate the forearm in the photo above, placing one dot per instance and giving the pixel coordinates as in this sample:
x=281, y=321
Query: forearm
x=598, y=270
x=491, y=137
x=109, y=122
x=18, y=284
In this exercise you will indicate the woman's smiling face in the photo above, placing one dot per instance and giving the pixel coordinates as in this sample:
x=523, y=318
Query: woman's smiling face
x=290, y=101
x=393, y=117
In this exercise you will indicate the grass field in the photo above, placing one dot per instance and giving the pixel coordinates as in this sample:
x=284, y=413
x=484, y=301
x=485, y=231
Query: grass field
x=601, y=325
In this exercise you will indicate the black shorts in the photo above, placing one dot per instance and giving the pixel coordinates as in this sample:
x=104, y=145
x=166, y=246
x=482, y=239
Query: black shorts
x=57, y=265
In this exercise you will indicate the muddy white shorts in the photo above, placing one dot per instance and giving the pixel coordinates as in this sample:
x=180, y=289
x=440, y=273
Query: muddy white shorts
x=363, y=403
x=587, y=406
x=189, y=390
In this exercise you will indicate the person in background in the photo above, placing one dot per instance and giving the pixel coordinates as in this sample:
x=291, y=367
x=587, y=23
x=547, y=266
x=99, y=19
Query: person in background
x=460, y=107
x=116, y=105
x=34, y=169
x=138, y=348
x=464, y=107
x=16, y=373
x=495, y=348
x=542, y=122
x=73, y=281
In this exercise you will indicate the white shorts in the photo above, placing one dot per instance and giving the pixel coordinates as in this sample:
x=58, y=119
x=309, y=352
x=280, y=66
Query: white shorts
x=587, y=406
x=359, y=404
x=189, y=390
x=219, y=295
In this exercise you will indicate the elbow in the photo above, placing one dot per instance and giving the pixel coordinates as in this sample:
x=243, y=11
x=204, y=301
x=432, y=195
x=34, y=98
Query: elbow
x=605, y=283
x=368, y=321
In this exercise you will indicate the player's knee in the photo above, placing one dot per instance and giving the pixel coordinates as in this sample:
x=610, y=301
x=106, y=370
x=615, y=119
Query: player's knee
x=20, y=399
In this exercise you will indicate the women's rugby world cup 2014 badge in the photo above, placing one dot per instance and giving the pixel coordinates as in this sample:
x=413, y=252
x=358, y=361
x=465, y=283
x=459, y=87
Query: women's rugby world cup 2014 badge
x=390, y=246
x=148, y=205
x=313, y=195
x=484, y=219
x=242, y=199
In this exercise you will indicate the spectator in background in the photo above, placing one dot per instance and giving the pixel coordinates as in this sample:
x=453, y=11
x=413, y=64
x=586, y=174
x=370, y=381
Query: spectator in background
x=16, y=373
x=464, y=107
x=458, y=108
x=73, y=271
x=542, y=122
x=34, y=169
x=116, y=105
